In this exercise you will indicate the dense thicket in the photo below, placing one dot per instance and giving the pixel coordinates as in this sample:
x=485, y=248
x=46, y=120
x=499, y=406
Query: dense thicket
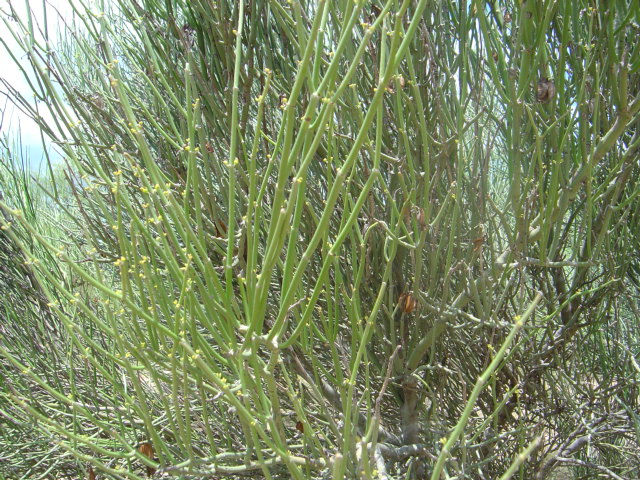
x=335, y=239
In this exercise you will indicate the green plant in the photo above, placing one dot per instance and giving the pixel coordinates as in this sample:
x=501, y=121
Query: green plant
x=313, y=236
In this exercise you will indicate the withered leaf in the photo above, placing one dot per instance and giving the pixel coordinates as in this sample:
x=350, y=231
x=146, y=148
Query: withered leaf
x=546, y=90
x=147, y=450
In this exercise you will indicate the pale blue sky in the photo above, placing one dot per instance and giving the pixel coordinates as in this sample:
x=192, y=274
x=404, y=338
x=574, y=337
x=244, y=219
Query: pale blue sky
x=14, y=121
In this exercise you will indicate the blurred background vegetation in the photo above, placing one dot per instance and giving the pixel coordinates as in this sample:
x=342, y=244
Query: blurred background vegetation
x=324, y=239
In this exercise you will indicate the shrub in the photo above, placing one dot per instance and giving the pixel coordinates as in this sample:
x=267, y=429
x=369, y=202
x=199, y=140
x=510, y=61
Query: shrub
x=342, y=239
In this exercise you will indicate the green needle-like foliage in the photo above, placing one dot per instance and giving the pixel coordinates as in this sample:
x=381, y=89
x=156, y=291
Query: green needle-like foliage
x=332, y=239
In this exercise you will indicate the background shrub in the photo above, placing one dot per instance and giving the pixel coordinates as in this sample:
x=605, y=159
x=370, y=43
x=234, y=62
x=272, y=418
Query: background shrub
x=333, y=240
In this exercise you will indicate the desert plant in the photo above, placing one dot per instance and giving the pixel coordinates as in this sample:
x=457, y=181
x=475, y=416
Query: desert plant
x=342, y=239
x=28, y=327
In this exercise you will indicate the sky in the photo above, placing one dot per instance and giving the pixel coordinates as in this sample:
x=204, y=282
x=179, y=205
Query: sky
x=14, y=122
